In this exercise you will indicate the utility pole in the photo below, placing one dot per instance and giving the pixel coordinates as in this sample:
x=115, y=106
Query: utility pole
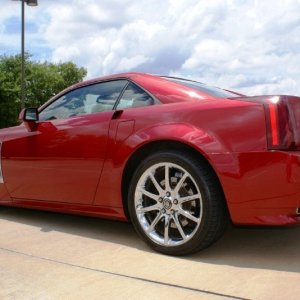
x=23, y=87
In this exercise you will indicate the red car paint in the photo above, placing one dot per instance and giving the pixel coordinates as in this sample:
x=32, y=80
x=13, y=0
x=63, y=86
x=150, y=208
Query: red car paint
x=77, y=164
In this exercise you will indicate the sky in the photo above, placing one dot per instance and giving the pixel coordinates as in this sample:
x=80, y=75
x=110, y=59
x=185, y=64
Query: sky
x=250, y=46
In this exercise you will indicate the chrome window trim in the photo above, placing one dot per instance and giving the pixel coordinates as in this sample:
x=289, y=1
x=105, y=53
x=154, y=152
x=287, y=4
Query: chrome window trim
x=1, y=173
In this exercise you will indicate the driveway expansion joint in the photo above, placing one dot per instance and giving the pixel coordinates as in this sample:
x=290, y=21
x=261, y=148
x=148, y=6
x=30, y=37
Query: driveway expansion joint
x=122, y=275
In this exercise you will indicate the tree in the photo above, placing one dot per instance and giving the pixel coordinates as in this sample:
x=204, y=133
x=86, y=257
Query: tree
x=43, y=80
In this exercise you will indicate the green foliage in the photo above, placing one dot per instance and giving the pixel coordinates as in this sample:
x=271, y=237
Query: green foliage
x=43, y=80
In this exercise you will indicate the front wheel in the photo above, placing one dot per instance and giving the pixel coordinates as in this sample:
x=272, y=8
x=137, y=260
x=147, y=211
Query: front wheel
x=176, y=203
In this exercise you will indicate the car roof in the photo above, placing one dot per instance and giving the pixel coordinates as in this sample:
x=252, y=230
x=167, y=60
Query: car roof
x=157, y=85
x=128, y=75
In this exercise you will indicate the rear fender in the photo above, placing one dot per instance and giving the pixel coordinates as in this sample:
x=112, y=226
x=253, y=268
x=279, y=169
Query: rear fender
x=202, y=141
x=121, y=151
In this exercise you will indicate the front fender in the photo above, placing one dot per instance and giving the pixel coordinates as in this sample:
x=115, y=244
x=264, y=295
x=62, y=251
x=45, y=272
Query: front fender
x=4, y=196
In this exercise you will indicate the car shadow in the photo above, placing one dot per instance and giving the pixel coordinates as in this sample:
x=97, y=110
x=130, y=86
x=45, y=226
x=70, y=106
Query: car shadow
x=272, y=248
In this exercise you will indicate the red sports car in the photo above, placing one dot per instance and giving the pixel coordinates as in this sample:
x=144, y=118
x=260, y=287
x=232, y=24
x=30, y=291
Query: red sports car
x=174, y=156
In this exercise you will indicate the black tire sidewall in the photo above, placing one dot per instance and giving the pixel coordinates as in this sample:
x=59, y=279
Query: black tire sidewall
x=199, y=174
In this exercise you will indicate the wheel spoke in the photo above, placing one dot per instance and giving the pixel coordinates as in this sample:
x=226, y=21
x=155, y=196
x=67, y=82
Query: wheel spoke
x=166, y=233
x=188, y=198
x=168, y=204
x=148, y=194
x=156, y=184
x=180, y=183
x=167, y=178
x=188, y=215
x=155, y=221
x=147, y=208
x=179, y=227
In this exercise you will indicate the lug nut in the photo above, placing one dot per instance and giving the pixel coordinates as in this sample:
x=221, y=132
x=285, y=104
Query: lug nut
x=160, y=199
x=163, y=211
x=172, y=211
x=168, y=194
x=175, y=201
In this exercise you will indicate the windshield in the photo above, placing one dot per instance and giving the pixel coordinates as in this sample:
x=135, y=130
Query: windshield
x=211, y=90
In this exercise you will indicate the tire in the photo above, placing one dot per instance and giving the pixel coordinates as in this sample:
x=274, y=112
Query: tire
x=183, y=214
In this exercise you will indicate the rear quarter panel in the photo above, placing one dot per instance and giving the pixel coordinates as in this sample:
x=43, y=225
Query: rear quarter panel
x=221, y=130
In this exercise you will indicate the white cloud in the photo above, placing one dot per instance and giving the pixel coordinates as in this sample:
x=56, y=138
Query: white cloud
x=251, y=46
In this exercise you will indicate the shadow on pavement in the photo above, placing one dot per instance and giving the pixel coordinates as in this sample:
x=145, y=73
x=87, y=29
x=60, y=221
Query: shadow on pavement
x=245, y=247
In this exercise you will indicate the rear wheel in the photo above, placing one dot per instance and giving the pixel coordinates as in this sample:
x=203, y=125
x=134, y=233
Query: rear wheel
x=176, y=203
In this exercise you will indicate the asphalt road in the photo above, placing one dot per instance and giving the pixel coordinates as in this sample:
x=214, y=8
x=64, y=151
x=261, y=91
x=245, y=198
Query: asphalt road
x=54, y=256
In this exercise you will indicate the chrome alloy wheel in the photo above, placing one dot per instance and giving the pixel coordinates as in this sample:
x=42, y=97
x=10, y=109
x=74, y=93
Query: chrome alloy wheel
x=168, y=204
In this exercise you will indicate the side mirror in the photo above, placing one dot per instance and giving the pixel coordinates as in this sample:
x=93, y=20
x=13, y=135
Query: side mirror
x=29, y=116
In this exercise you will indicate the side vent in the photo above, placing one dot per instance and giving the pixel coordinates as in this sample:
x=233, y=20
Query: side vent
x=1, y=174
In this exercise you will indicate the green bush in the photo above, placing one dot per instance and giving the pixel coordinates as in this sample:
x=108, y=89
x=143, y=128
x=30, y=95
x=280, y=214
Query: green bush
x=42, y=80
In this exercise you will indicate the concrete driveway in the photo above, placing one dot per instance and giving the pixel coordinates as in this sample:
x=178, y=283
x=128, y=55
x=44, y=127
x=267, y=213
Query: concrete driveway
x=54, y=256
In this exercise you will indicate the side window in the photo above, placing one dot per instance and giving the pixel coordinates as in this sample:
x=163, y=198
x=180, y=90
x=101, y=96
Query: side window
x=134, y=96
x=85, y=100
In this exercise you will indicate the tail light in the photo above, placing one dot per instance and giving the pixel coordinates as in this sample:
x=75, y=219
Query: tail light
x=280, y=134
x=282, y=120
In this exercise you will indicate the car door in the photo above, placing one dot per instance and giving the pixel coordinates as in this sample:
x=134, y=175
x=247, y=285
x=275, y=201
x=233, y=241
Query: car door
x=61, y=160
